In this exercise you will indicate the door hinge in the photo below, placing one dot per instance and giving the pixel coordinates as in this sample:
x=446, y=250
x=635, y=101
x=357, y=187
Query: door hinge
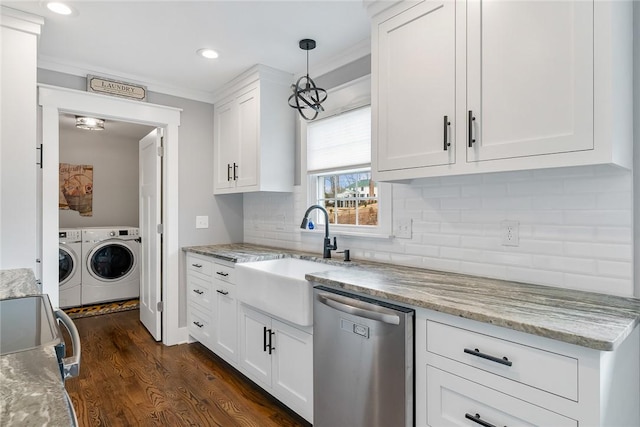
x=160, y=228
x=160, y=151
x=160, y=306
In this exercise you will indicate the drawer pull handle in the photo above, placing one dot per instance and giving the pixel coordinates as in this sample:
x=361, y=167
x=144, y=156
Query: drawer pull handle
x=198, y=291
x=222, y=273
x=222, y=292
x=476, y=419
x=476, y=352
x=197, y=265
x=198, y=324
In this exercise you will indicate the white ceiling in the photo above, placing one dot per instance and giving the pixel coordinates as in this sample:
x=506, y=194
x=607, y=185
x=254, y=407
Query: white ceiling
x=155, y=42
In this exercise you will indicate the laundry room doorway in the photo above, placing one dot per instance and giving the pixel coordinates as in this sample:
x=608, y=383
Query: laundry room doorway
x=54, y=101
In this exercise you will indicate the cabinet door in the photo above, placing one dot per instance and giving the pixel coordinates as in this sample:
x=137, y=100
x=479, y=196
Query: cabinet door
x=248, y=141
x=226, y=321
x=255, y=360
x=293, y=368
x=224, y=144
x=529, y=86
x=452, y=401
x=416, y=87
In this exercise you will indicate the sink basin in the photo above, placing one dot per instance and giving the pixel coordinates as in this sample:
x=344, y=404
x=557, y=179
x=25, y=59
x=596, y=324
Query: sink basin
x=278, y=287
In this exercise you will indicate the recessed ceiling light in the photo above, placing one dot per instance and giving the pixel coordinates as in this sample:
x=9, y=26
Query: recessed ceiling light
x=60, y=8
x=208, y=53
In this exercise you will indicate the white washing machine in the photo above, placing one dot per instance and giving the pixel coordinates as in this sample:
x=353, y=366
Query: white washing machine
x=70, y=267
x=110, y=264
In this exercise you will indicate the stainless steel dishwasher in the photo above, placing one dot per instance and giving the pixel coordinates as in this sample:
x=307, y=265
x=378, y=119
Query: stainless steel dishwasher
x=363, y=353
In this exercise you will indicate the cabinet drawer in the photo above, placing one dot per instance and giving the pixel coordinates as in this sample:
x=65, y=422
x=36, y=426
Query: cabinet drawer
x=198, y=291
x=199, y=325
x=551, y=372
x=454, y=401
x=199, y=265
x=223, y=272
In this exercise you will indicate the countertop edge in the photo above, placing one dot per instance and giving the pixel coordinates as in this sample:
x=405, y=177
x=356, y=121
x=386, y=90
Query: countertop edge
x=252, y=253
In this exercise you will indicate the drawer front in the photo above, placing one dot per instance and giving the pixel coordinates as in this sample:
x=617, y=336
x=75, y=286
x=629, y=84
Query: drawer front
x=199, y=265
x=454, y=401
x=223, y=272
x=551, y=372
x=199, y=292
x=199, y=325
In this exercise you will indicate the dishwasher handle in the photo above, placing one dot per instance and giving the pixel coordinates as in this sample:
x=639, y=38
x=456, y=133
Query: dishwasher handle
x=359, y=308
x=70, y=365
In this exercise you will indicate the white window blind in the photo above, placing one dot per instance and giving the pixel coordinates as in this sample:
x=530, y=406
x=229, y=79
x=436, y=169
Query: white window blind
x=339, y=141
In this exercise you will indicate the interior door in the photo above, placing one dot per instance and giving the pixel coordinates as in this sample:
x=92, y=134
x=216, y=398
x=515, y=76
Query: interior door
x=151, y=248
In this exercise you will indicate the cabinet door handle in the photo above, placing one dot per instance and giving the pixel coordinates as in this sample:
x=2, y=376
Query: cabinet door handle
x=228, y=172
x=222, y=273
x=235, y=171
x=476, y=419
x=222, y=292
x=264, y=338
x=198, y=291
x=196, y=265
x=446, y=133
x=477, y=353
x=198, y=324
x=271, y=347
x=470, y=127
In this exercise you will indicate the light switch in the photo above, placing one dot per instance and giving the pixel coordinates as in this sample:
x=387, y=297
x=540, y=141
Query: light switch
x=202, y=221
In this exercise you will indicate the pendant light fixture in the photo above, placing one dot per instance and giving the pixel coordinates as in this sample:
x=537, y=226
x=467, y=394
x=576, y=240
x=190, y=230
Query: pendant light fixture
x=307, y=98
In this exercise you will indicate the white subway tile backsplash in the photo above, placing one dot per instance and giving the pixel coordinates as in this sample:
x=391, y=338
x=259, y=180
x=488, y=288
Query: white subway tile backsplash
x=575, y=226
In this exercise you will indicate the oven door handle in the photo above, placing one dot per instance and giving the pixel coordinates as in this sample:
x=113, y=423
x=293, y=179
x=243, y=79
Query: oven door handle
x=71, y=364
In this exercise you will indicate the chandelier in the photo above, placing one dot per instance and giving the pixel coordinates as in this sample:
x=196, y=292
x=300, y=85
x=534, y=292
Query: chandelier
x=307, y=97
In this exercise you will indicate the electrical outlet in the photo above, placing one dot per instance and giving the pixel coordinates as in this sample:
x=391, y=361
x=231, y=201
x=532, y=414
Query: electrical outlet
x=202, y=222
x=510, y=231
x=402, y=228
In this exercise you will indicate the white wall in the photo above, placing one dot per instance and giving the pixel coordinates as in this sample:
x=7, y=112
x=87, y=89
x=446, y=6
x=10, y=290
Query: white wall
x=636, y=132
x=115, y=176
x=575, y=227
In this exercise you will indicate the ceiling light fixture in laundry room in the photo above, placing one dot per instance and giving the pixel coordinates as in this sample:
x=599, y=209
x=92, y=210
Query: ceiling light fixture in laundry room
x=89, y=123
x=306, y=95
x=207, y=53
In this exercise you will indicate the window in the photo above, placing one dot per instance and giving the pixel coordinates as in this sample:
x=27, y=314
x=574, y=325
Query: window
x=338, y=160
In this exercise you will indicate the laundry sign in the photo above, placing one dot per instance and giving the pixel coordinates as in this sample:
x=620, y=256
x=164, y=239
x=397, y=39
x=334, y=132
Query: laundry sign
x=76, y=188
x=116, y=88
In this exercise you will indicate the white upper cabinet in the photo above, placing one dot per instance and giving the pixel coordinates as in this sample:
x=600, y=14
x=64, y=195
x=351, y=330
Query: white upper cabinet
x=529, y=86
x=416, y=87
x=516, y=94
x=254, y=133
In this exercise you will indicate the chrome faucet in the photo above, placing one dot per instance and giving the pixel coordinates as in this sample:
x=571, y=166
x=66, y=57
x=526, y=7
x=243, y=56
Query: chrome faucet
x=327, y=246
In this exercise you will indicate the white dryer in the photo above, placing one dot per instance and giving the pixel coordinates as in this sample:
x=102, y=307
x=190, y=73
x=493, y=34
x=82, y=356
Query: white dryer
x=110, y=266
x=70, y=267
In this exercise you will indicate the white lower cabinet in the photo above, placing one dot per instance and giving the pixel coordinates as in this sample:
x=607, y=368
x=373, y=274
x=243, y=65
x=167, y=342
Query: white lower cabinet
x=476, y=374
x=225, y=321
x=279, y=357
x=454, y=401
x=212, y=306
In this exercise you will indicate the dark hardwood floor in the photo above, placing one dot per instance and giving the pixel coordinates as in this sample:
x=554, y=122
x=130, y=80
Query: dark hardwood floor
x=127, y=379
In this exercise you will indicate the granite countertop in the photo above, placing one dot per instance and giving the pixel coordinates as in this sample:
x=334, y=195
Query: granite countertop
x=32, y=392
x=587, y=319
